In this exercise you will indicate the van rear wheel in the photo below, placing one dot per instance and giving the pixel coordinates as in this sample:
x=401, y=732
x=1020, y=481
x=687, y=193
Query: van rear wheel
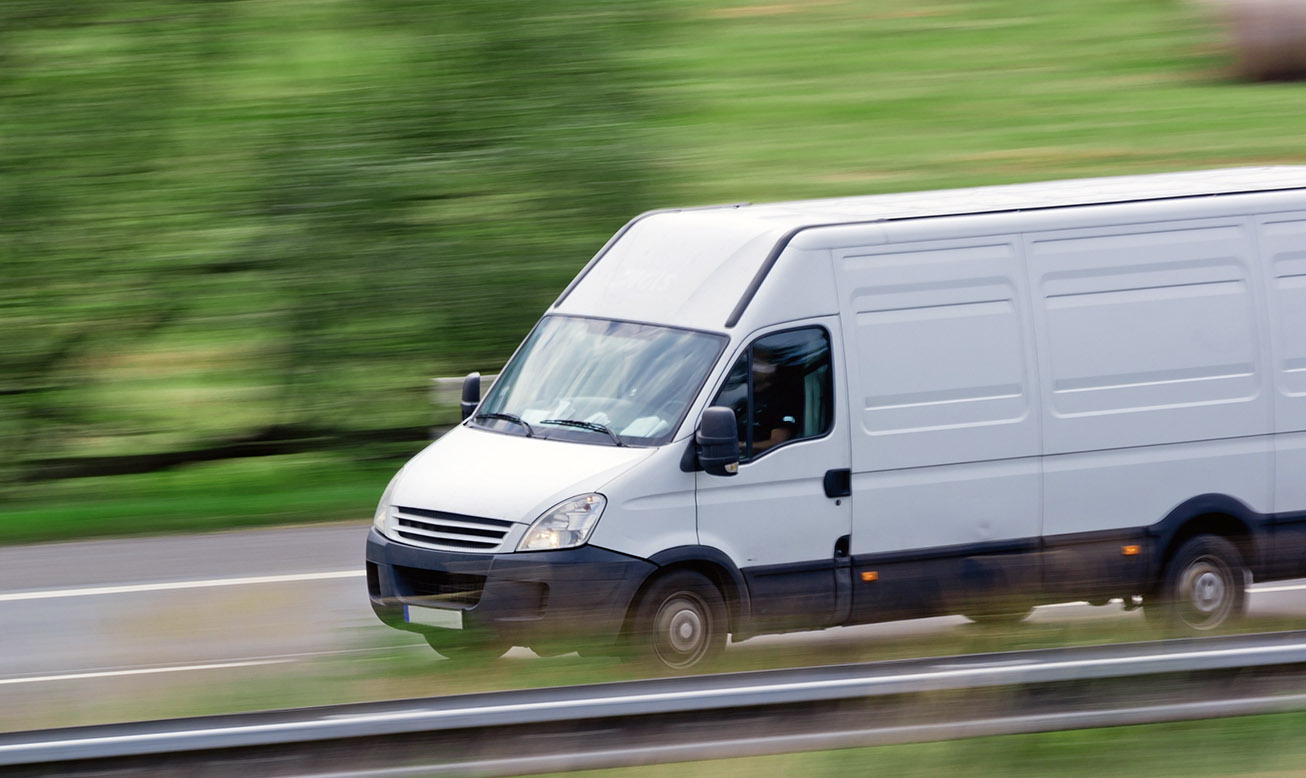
x=1203, y=586
x=680, y=622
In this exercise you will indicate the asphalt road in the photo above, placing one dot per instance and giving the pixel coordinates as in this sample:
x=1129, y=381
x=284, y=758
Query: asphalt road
x=75, y=607
x=96, y=630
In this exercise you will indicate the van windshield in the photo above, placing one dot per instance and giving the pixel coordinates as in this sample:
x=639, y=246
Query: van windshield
x=600, y=381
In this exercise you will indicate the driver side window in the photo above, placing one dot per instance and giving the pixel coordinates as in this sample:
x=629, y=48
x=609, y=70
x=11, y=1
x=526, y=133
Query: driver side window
x=781, y=390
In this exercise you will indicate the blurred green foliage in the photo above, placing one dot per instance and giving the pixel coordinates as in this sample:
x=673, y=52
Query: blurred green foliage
x=301, y=205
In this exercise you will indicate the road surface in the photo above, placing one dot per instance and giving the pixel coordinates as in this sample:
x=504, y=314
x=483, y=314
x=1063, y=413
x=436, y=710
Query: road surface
x=144, y=627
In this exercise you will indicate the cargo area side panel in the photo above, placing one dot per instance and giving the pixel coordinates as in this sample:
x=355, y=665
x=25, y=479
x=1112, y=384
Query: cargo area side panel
x=945, y=423
x=1153, y=359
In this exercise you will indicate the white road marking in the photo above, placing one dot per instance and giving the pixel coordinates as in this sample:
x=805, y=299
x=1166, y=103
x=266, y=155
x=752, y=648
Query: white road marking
x=249, y=661
x=138, y=671
x=1289, y=588
x=164, y=586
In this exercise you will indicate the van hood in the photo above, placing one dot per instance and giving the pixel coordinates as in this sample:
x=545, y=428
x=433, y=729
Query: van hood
x=499, y=476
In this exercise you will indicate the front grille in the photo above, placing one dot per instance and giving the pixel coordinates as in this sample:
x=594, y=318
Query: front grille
x=450, y=531
x=456, y=588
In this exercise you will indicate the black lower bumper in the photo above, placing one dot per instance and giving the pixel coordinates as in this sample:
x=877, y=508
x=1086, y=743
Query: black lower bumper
x=557, y=599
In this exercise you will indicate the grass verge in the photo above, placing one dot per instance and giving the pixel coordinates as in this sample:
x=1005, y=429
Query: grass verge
x=216, y=495
x=1270, y=746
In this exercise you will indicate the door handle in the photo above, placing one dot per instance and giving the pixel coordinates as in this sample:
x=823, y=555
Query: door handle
x=838, y=483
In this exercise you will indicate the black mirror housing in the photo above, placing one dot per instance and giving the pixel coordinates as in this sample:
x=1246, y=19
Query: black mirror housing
x=471, y=394
x=717, y=441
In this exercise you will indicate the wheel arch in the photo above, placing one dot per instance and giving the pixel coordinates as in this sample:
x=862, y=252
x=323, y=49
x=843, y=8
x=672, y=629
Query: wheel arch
x=713, y=564
x=1211, y=514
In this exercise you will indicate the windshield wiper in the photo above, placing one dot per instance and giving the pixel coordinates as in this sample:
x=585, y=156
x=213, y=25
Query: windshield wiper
x=592, y=426
x=530, y=433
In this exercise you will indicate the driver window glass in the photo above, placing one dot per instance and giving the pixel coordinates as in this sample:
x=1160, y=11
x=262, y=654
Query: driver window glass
x=781, y=390
x=734, y=395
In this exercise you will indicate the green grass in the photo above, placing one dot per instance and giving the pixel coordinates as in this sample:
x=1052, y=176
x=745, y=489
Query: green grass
x=216, y=495
x=790, y=100
x=1271, y=745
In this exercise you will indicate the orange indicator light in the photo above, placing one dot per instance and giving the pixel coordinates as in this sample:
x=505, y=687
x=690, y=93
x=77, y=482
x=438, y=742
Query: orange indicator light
x=1130, y=550
x=870, y=575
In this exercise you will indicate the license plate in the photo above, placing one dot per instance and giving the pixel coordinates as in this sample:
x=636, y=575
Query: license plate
x=433, y=617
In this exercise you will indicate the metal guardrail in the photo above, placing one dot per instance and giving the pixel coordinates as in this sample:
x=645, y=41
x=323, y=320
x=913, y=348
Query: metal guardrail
x=671, y=719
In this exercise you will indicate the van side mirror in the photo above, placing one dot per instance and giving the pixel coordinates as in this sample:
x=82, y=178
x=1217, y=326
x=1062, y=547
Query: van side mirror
x=471, y=394
x=718, y=441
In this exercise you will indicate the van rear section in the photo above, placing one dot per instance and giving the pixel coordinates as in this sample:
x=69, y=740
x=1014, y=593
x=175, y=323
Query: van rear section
x=765, y=418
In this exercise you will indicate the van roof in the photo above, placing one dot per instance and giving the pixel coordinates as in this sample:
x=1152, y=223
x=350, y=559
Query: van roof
x=701, y=267
x=1022, y=197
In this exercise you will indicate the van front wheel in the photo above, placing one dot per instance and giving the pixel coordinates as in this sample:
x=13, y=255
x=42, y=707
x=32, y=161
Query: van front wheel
x=1203, y=587
x=681, y=621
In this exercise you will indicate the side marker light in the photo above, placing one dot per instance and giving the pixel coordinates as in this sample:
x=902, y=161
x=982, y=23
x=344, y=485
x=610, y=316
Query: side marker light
x=1131, y=550
x=870, y=575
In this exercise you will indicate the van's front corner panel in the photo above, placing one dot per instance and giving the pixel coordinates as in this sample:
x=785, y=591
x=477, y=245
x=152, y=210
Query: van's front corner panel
x=566, y=597
x=651, y=507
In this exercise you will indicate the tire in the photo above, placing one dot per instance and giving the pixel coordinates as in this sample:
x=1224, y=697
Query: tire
x=467, y=649
x=680, y=622
x=1203, y=587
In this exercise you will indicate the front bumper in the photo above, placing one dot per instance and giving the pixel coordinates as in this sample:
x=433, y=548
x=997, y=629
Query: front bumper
x=558, y=599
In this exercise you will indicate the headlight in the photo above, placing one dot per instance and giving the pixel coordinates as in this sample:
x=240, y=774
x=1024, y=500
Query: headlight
x=383, y=507
x=564, y=525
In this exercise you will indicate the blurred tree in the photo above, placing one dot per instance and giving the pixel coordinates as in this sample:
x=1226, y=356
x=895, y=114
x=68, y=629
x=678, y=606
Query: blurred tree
x=499, y=155
x=85, y=132
x=370, y=190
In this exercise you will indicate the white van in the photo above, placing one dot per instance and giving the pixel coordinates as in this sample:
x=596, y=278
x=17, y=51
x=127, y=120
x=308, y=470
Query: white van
x=761, y=418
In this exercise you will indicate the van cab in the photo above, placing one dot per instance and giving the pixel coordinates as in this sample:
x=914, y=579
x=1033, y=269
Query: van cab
x=763, y=418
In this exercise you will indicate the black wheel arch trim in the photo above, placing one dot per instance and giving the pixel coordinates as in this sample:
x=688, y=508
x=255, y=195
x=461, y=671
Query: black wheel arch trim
x=1168, y=532
x=738, y=602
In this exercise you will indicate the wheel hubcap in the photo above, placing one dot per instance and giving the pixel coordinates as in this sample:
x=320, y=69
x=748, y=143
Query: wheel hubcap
x=681, y=631
x=1208, y=592
x=1206, y=588
x=686, y=627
